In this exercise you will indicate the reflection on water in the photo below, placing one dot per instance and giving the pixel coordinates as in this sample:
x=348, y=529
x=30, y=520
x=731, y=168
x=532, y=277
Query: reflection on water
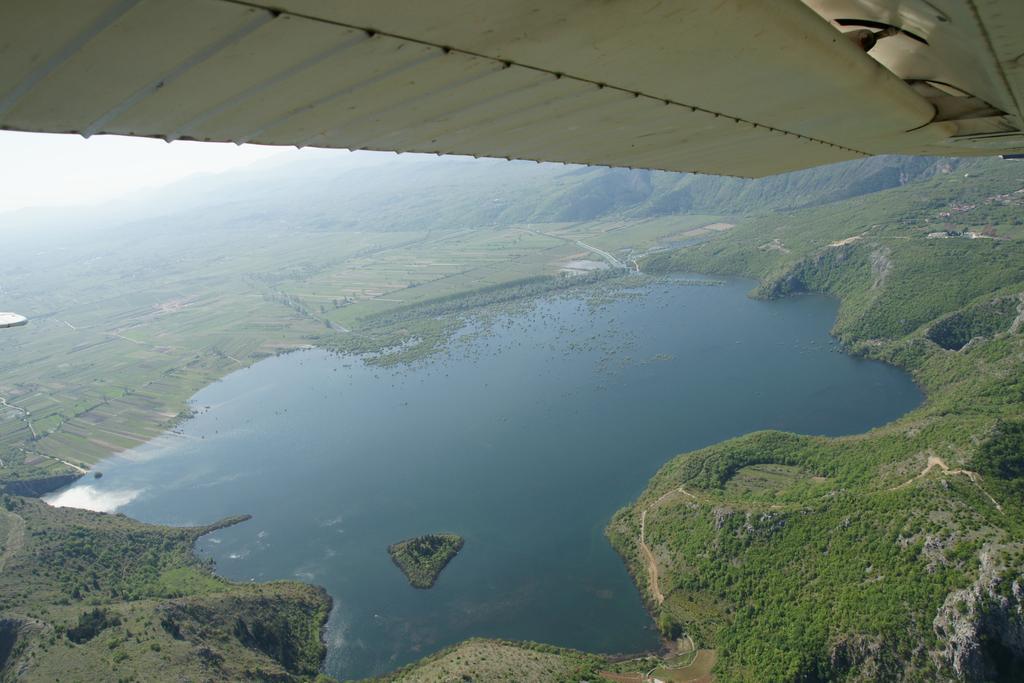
x=524, y=441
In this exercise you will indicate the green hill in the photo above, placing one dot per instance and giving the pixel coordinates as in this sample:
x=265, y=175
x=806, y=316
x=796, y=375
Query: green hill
x=896, y=554
x=87, y=596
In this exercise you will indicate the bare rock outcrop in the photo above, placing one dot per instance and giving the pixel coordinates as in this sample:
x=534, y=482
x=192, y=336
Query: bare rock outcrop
x=982, y=626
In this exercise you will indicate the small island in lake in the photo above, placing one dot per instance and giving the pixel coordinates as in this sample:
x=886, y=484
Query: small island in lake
x=421, y=559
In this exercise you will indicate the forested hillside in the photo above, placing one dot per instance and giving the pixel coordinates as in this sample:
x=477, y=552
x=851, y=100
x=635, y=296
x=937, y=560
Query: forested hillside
x=895, y=555
x=86, y=596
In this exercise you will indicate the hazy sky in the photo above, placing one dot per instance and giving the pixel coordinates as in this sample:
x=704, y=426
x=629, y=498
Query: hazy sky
x=59, y=170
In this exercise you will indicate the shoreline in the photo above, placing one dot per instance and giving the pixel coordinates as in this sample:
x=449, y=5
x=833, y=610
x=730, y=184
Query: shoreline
x=186, y=411
x=667, y=646
x=41, y=486
x=762, y=291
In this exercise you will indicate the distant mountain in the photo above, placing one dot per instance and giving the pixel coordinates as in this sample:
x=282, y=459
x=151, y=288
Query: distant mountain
x=688, y=193
x=386, y=192
x=468, y=193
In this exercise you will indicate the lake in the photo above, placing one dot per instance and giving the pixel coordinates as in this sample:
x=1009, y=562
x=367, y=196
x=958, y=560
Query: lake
x=524, y=439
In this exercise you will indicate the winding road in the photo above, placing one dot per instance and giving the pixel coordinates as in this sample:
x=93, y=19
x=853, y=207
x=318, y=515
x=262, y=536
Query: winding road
x=649, y=560
x=615, y=263
x=652, y=564
x=935, y=461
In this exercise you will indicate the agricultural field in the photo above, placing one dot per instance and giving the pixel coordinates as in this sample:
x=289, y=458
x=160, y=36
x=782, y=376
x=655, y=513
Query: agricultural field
x=459, y=261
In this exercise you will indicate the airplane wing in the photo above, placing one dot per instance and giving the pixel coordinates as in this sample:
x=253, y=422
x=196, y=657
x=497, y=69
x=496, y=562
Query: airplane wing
x=12, y=320
x=736, y=87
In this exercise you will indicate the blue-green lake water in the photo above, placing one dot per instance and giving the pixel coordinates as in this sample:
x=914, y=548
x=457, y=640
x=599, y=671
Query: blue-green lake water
x=524, y=440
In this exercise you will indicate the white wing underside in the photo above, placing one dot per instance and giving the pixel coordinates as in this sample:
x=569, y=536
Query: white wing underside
x=736, y=87
x=12, y=320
